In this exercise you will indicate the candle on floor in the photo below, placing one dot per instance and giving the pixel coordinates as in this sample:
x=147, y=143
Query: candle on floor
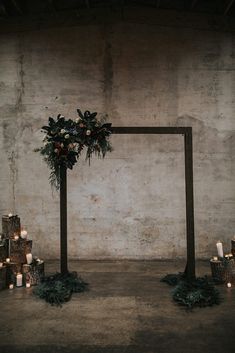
x=29, y=258
x=19, y=280
x=229, y=285
x=219, y=246
x=27, y=285
x=23, y=234
x=8, y=260
x=11, y=286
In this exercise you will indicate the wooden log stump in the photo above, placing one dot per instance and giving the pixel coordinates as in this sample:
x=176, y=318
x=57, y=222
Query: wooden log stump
x=10, y=226
x=12, y=268
x=2, y=277
x=3, y=249
x=34, y=273
x=18, y=250
x=233, y=247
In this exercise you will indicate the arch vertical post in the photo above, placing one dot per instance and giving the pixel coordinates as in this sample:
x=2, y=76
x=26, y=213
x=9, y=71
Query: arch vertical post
x=63, y=220
x=188, y=150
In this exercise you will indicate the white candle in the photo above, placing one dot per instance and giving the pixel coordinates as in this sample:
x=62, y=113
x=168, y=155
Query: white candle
x=215, y=258
x=11, y=286
x=29, y=258
x=28, y=285
x=219, y=246
x=10, y=215
x=229, y=285
x=23, y=234
x=1, y=264
x=8, y=259
x=19, y=280
x=16, y=237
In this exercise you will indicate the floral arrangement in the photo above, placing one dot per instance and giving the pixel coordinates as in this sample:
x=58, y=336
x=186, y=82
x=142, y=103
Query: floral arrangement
x=65, y=139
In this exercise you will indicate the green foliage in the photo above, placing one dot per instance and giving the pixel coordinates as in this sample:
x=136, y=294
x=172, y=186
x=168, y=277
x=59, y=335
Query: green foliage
x=173, y=279
x=65, y=139
x=58, y=288
x=197, y=293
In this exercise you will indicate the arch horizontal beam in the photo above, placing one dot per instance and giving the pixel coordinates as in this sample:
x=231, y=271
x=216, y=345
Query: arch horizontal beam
x=171, y=130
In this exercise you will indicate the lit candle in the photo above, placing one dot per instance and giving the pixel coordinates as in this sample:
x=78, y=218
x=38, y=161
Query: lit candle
x=10, y=215
x=19, y=278
x=27, y=285
x=29, y=258
x=219, y=246
x=16, y=237
x=11, y=286
x=229, y=285
x=1, y=264
x=8, y=260
x=23, y=234
x=215, y=258
x=228, y=256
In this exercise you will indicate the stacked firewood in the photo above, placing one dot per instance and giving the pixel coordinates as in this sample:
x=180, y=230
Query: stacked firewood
x=18, y=267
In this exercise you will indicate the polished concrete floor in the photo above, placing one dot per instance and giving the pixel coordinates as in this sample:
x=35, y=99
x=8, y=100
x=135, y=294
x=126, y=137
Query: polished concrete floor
x=126, y=310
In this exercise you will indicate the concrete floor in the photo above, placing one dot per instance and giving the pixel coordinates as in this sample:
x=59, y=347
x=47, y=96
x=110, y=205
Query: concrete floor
x=126, y=310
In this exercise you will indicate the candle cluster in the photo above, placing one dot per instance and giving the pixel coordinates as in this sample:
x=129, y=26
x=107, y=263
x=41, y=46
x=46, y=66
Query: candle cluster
x=18, y=267
x=223, y=265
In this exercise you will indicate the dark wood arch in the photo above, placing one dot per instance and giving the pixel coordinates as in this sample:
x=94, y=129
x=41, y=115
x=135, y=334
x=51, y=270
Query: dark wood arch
x=188, y=157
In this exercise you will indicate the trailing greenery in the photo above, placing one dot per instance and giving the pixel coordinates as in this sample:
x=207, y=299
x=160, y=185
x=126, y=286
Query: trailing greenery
x=58, y=288
x=65, y=139
x=173, y=279
x=199, y=292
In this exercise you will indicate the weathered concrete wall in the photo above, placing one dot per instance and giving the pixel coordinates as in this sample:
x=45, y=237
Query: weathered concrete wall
x=132, y=204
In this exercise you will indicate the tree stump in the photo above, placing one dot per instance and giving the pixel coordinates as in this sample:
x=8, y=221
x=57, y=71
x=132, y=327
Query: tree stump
x=18, y=250
x=10, y=226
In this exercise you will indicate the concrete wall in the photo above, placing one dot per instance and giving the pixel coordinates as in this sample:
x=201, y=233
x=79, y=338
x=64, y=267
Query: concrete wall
x=132, y=204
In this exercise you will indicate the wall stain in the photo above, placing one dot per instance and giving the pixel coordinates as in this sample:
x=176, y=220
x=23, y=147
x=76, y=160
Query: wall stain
x=14, y=173
x=20, y=89
x=108, y=75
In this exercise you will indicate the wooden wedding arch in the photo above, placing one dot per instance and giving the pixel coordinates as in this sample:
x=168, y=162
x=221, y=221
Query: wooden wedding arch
x=188, y=157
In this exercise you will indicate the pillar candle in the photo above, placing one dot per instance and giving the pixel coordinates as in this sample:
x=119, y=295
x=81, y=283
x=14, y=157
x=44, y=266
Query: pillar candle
x=29, y=258
x=19, y=278
x=27, y=285
x=219, y=246
x=11, y=286
x=23, y=234
x=8, y=259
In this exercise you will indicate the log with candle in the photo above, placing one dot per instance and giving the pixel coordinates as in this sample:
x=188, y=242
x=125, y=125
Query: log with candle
x=220, y=251
x=19, y=280
x=10, y=225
